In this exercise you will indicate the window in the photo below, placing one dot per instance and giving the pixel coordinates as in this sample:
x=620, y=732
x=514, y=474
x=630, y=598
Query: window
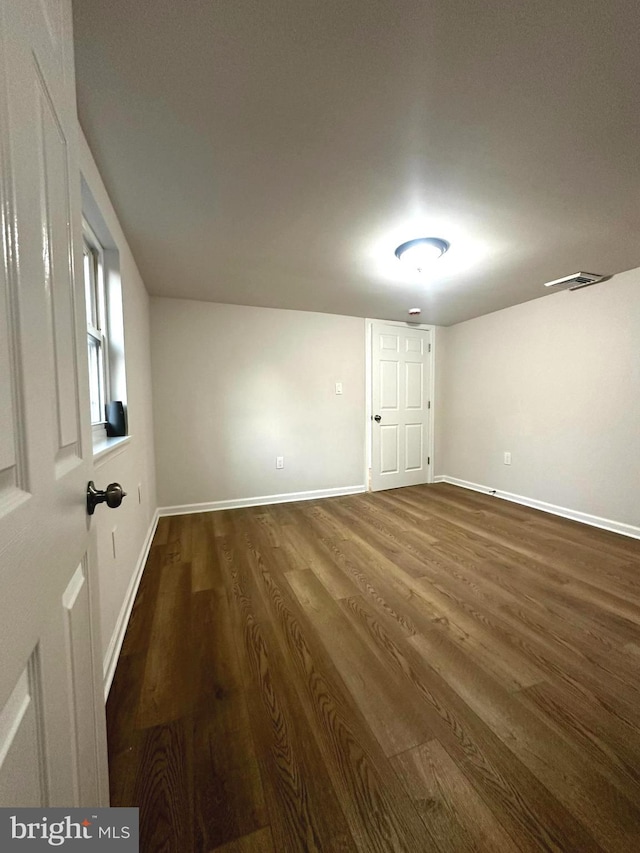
x=97, y=337
x=105, y=325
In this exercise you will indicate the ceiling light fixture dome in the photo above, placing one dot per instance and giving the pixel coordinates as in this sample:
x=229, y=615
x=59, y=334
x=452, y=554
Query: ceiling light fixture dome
x=421, y=252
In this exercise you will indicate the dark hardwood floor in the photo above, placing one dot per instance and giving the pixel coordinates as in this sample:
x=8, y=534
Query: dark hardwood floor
x=426, y=669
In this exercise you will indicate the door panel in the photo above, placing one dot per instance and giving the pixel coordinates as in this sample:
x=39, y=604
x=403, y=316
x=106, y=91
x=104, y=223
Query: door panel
x=77, y=607
x=415, y=345
x=8, y=424
x=58, y=272
x=22, y=762
x=400, y=396
x=414, y=451
x=414, y=386
x=389, y=448
x=389, y=343
x=12, y=438
x=389, y=385
x=52, y=733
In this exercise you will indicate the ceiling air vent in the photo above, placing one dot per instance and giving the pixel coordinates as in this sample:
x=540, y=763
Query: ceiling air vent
x=577, y=280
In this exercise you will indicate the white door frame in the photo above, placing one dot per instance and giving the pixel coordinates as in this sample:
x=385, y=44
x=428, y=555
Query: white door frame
x=369, y=392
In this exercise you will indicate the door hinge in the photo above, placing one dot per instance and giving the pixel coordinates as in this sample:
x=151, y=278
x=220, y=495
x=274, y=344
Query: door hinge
x=429, y=404
x=429, y=347
x=428, y=460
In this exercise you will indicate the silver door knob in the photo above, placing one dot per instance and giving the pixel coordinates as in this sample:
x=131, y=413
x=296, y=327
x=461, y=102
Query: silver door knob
x=112, y=496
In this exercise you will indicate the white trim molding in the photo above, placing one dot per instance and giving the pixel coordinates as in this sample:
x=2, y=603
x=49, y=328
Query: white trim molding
x=117, y=638
x=574, y=515
x=238, y=503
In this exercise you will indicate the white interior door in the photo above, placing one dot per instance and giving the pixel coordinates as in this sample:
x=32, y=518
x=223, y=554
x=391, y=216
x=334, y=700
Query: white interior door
x=400, y=373
x=52, y=738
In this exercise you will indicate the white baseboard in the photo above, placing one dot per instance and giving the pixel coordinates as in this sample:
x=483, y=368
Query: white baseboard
x=117, y=638
x=238, y=503
x=574, y=515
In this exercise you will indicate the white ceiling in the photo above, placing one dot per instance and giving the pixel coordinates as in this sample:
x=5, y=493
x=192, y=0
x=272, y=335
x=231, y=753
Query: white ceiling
x=276, y=153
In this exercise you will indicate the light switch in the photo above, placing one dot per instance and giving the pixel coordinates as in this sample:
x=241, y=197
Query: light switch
x=338, y=387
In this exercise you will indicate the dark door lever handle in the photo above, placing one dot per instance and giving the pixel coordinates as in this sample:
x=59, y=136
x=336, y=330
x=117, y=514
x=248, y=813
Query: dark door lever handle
x=377, y=418
x=112, y=496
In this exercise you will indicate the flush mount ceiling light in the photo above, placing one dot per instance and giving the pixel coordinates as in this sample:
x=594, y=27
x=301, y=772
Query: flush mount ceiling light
x=419, y=253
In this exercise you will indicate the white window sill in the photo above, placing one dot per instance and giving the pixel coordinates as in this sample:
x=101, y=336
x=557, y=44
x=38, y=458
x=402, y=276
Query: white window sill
x=105, y=448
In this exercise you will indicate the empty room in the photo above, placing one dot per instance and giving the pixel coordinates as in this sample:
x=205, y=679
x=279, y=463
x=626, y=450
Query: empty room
x=320, y=426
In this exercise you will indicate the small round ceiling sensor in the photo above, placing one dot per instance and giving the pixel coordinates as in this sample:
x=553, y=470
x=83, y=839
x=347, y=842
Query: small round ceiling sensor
x=414, y=311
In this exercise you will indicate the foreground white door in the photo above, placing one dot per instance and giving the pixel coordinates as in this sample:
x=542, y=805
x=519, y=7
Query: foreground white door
x=52, y=741
x=400, y=373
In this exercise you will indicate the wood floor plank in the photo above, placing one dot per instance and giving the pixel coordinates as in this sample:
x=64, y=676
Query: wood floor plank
x=220, y=523
x=380, y=817
x=484, y=638
x=386, y=583
x=305, y=814
x=161, y=536
x=270, y=528
x=205, y=566
x=164, y=789
x=426, y=669
x=575, y=558
x=228, y=795
x=559, y=615
x=166, y=691
x=388, y=541
x=524, y=805
x=322, y=523
x=398, y=721
x=310, y=553
x=458, y=818
x=561, y=661
x=123, y=738
x=579, y=625
x=611, y=743
x=136, y=640
x=258, y=842
x=577, y=563
x=611, y=817
x=383, y=505
x=357, y=564
x=393, y=520
x=179, y=537
x=588, y=641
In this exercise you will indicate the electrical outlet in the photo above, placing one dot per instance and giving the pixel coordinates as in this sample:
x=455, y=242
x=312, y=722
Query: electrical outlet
x=507, y=457
x=338, y=387
x=279, y=461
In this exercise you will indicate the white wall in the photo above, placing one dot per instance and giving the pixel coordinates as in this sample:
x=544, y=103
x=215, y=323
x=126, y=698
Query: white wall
x=555, y=381
x=234, y=387
x=134, y=462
